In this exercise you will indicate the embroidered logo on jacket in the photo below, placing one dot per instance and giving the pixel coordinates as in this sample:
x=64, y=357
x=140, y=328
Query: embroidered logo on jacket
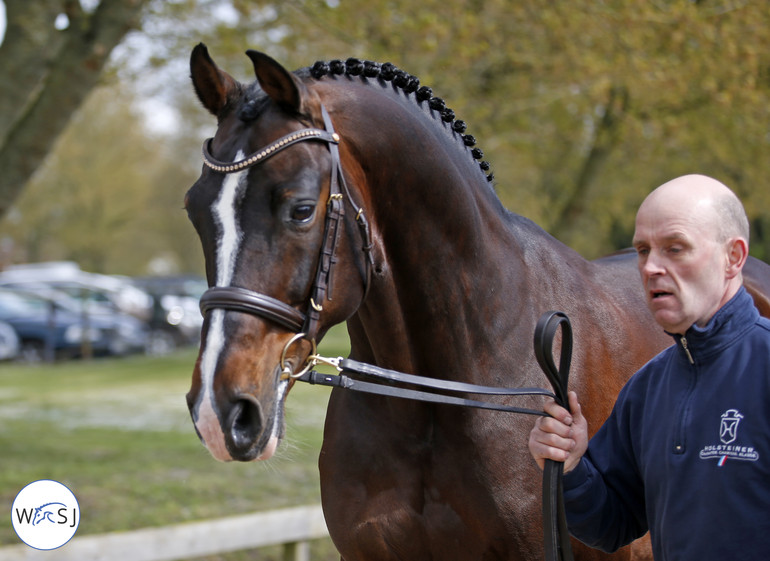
x=728, y=429
x=730, y=447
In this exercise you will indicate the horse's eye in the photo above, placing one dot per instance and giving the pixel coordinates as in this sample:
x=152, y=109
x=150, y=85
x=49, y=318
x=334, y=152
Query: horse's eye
x=302, y=213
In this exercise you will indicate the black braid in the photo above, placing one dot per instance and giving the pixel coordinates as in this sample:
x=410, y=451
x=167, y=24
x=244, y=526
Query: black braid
x=371, y=69
x=337, y=67
x=354, y=67
x=401, y=79
x=388, y=72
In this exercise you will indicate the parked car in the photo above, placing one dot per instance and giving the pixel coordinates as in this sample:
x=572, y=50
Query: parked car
x=50, y=328
x=176, y=319
x=9, y=342
x=100, y=291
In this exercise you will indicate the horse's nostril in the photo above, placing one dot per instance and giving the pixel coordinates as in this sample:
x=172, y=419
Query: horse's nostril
x=245, y=423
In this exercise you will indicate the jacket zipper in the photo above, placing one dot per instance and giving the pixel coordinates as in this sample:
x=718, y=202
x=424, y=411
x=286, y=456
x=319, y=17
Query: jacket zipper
x=686, y=349
x=679, y=443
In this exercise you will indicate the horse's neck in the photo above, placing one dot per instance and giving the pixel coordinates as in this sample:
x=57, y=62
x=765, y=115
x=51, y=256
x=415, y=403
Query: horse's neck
x=451, y=308
x=451, y=265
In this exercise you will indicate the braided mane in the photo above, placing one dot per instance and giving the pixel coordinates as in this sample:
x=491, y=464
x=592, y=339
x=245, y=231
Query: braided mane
x=388, y=72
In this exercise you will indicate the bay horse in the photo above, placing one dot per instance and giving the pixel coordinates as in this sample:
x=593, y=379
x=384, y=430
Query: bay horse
x=433, y=277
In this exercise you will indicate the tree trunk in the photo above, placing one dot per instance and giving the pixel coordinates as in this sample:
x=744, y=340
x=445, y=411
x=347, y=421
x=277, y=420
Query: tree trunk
x=604, y=138
x=47, y=75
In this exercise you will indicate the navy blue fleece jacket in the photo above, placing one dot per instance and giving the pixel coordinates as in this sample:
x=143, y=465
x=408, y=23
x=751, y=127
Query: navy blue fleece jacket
x=685, y=453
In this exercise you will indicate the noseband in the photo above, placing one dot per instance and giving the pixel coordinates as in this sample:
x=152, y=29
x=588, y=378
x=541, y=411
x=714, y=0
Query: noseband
x=243, y=300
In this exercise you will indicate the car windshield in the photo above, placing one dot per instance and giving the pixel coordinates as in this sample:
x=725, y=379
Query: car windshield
x=13, y=304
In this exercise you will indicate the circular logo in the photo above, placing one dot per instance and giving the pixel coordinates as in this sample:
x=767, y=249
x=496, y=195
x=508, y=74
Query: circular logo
x=45, y=514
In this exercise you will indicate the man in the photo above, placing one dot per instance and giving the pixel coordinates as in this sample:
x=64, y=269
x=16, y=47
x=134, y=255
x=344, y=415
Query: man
x=685, y=453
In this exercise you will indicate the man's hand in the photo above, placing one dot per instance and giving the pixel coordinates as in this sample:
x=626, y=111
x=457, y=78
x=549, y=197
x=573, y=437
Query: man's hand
x=562, y=437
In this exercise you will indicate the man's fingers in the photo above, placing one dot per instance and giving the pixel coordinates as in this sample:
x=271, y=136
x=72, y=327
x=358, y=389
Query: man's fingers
x=541, y=451
x=556, y=426
x=553, y=434
x=561, y=437
x=574, y=405
x=558, y=412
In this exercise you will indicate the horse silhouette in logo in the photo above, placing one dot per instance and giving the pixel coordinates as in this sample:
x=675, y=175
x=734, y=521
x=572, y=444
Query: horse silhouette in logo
x=45, y=512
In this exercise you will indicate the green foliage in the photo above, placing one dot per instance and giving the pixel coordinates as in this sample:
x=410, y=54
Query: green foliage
x=51, y=58
x=109, y=197
x=582, y=107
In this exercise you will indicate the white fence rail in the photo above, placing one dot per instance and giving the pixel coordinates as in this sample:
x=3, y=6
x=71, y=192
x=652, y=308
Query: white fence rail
x=293, y=527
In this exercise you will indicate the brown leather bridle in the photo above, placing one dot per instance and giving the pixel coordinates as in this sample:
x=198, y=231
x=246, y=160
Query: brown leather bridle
x=239, y=299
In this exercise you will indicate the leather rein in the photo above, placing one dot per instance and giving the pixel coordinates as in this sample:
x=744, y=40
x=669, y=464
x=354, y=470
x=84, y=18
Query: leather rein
x=372, y=379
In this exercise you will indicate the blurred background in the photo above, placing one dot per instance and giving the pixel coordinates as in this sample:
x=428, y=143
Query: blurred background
x=58, y=311
x=581, y=107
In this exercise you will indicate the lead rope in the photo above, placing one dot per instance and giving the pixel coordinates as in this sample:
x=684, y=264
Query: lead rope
x=555, y=531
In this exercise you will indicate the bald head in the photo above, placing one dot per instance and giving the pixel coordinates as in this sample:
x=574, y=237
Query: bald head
x=705, y=200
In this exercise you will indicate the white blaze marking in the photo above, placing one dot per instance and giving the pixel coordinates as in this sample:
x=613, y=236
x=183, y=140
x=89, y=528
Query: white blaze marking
x=224, y=211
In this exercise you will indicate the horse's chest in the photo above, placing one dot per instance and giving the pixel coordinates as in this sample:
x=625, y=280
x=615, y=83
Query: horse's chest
x=426, y=491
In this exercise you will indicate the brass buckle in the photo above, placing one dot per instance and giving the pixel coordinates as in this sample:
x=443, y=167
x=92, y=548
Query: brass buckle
x=286, y=372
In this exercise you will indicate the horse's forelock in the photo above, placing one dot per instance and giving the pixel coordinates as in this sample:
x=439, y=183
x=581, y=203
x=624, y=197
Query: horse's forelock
x=253, y=104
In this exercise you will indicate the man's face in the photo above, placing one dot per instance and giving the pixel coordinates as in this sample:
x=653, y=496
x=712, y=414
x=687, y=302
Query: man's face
x=681, y=263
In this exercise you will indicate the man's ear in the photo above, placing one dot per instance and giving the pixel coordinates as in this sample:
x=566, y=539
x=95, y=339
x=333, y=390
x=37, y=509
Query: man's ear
x=737, y=253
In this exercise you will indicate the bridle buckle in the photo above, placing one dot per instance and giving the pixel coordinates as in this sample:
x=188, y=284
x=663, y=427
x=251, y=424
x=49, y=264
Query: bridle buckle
x=286, y=371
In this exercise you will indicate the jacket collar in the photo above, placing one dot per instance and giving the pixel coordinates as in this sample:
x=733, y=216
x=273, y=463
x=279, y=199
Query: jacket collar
x=727, y=324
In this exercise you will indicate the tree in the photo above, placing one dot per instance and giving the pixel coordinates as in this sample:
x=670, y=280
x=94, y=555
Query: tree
x=47, y=73
x=581, y=107
x=106, y=197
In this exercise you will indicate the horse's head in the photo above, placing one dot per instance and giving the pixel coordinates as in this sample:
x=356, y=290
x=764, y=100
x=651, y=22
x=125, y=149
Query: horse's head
x=44, y=512
x=270, y=214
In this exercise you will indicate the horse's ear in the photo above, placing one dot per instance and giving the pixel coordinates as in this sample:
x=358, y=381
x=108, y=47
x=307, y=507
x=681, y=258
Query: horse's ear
x=213, y=86
x=277, y=82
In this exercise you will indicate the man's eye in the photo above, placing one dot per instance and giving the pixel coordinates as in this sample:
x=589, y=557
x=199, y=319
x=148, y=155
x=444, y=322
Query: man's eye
x=302, y=213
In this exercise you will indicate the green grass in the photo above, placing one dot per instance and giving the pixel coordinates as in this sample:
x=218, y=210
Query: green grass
x=118, y=434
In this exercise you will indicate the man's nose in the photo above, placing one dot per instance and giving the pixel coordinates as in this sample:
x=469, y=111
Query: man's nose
x=652, y=265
